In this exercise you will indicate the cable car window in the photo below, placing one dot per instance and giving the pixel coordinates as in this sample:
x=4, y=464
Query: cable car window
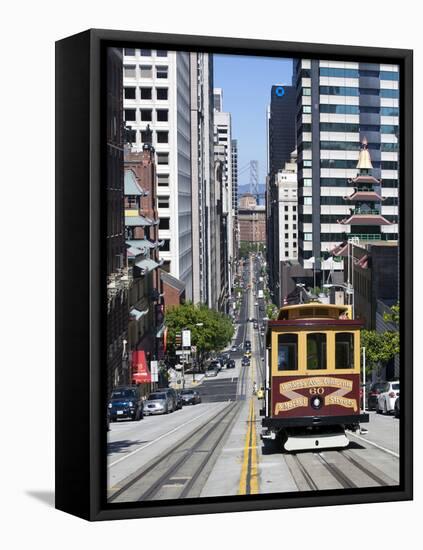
x=288, y=352
x=316, y=351
x=344, y=350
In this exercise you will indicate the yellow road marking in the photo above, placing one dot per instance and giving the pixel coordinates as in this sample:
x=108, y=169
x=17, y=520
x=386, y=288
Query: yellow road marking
x=249, y=481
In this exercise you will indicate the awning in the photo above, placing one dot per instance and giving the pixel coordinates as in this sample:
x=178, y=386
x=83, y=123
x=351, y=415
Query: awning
x=140, y=371
x=147, y=265
x=137, y=313
x=131, y=184
x=137, y=221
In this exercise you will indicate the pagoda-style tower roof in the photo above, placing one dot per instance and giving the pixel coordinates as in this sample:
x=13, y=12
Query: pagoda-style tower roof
x=364, y=160
x=370, y=196
x=365, y=219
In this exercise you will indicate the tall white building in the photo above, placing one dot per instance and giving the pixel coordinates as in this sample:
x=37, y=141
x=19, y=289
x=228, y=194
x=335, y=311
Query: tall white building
x=157, y=94
x=286, y=183
x=203, y=185
x=223, y=152
x=341, y=104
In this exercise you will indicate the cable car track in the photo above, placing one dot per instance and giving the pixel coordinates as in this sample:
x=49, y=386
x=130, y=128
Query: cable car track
x=330, y=461
x=145, y=484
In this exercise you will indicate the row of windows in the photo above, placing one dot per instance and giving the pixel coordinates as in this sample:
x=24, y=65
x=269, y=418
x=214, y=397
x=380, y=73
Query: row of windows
x=356, y=73
x=342, y=163
x=316, y=356
x=351, y=91
x=146, y=93
x=146, y=115
x=343, y=182
x=356, y=110
x=145, y=71
x=131, y=52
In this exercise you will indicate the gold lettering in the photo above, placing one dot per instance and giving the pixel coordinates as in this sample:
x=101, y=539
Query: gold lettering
x=304, y=383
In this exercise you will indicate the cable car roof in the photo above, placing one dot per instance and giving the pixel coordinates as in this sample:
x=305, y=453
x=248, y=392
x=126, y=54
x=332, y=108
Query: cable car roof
x=315, y=310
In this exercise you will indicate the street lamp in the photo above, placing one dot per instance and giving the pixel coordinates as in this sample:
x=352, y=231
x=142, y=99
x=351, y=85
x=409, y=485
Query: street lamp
x=196, y=354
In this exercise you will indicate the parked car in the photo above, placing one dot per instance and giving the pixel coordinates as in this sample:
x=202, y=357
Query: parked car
x=230, y=364
x=386, y=398
x=179, y=402
x=211, y=371
x=397, y=407
x=216, y=364
x=173, y=395
x=159, y=402
x=373, y=394
x=125, y=402
x=245, y=361
x=190, y=397
x=234, y=349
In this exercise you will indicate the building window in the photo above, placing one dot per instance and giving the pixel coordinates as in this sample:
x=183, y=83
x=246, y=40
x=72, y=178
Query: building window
x=286, y=226
x=161, y=93
x=146, y=53
x=294, y=217
x=306, y=91
x=286, y=245
x=162, y=137
x=316, y=351
x=164, y=223
x=294, y=226
x=130, y=52
x=287, y=352
x=306, y=109
x=308, y=236
x=308, y=201
x=286, y=217
x=162, y=115
x=294, y=208
x=162, y=158
x=146, y=93
x=286, y=235
x=286, y=209
x=146, y=71
x=307, y=163
x=163, y=180
x=307, y=182
x=286, y=253
x=129, y=71
x=344, y=350
x=166, y=245
x=146, y=115
x=129, y=93
x=161, y=53
x=161, y=72
x=294, y=245
x=163, y=202
x=294, y=236
x=130, y=114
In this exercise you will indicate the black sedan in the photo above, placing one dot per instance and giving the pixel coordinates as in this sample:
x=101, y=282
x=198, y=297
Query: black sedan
x=190, y=397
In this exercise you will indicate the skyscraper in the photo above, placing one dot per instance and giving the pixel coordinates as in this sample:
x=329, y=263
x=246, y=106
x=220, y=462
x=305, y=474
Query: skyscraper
x=157, y=95
x=339, y=104
x=281, y=127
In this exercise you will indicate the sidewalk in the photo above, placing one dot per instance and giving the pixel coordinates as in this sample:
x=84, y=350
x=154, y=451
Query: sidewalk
x=189, y=381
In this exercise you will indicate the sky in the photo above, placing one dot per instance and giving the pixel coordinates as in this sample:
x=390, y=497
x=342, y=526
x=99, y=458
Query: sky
x=246, y=82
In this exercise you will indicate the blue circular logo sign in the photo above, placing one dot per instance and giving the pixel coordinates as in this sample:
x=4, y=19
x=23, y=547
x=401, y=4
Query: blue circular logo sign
x=280, y=91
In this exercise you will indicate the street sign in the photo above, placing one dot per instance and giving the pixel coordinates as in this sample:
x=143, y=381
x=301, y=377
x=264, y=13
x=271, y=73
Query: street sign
x=186, y=338
x=193, y=349
x=154, y=369
x=181, y=352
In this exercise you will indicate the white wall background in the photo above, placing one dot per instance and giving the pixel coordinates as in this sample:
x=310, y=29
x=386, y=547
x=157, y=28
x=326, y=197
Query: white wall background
x=28, y=32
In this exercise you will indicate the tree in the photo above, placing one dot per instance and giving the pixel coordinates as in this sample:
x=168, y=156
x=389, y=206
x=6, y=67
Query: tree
x=210, y=329
x=394, y=316
x=380, y=347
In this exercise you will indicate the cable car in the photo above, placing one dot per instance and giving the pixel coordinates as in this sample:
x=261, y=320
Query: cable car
x=312, y=377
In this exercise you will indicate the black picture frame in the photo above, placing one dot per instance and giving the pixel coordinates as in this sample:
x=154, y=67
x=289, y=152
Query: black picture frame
x=80, y=282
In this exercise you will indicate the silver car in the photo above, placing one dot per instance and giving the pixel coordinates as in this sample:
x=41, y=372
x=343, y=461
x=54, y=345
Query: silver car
x=158, y=403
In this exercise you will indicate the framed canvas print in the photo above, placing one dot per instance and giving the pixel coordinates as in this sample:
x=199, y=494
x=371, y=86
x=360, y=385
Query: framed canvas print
x=234, y=274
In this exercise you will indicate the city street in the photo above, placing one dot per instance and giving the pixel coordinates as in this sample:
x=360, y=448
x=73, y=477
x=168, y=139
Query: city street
x=214, y=448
